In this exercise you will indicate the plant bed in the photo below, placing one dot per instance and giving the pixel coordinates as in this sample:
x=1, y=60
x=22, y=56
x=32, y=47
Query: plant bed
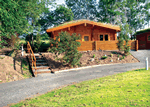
x=90, y=58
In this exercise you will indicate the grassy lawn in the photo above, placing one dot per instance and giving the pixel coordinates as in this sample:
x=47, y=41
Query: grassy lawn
x=127, y=89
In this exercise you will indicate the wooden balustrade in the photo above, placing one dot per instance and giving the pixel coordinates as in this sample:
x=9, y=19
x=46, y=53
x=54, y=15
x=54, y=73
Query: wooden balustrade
x=31, y=57
x=105, y=45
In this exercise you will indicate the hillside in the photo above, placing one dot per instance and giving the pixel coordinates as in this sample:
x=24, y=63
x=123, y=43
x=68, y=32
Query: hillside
x=10, y=67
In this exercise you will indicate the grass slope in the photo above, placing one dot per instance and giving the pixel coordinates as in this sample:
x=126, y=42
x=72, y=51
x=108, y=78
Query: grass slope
x=127, y=89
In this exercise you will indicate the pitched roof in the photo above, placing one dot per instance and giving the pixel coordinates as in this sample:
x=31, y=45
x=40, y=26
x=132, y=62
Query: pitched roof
x=78, y=22
x=142, y=31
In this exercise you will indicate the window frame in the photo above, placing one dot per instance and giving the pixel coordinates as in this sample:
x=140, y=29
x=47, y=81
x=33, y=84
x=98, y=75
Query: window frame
x=107, y=37
x=86, y=36
x=100, y=37
x=148, y=38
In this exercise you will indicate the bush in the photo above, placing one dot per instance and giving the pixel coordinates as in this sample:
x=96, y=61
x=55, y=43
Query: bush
x=126, y=48
x=38, y=42
x=64, y=43
x=111, y=55
x=123, y=57
x=120, y=43
x=94, y=56
x=104, y=57
x=118, y=55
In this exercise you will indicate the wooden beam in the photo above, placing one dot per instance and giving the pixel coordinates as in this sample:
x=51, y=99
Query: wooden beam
x=53, y=32
x=68, y=28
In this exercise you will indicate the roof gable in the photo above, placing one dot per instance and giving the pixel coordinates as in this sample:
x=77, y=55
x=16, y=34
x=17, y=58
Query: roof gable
x=78, y=22
x=142, y=31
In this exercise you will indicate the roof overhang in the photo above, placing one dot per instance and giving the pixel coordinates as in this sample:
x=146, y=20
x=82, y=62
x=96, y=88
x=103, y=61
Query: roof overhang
x=85, y=22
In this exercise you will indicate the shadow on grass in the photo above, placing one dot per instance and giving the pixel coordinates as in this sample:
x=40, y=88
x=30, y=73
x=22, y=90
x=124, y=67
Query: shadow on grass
x=29, y=67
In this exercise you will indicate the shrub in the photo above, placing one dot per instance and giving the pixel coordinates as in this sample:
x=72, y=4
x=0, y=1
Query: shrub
x=111, y=55
x=114, y=52
x=94, y=56
x=126, y=48
x=120, y=43
x=118, y=55
x=64, y=43
x=38, y=42
x=104, y=57
x=123, y=57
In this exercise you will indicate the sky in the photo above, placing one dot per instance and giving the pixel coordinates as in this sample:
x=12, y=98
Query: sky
x=60, y=2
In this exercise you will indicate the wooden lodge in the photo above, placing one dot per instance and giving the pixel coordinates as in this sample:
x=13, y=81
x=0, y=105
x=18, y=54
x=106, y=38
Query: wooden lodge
x=94, y=35
x=143, y=37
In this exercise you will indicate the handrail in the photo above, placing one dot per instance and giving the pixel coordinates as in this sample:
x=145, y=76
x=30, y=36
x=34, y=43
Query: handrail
x=32, y=57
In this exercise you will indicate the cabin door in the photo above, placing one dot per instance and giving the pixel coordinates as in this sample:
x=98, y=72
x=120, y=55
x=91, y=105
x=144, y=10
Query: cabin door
x=148, y=41
x=142, y=42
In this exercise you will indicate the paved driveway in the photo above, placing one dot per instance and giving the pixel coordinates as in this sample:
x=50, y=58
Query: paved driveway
x=13, y=92
x=141, y=55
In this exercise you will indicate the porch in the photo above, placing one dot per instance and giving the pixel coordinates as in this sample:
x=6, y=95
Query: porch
x=105, y=45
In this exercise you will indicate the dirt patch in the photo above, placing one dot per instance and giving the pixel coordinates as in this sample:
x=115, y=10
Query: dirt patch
x=91, y=58
x=10, y=68
x=5, y=51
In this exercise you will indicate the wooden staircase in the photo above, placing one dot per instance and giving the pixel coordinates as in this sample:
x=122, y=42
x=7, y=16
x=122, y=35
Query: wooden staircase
x=37, y=62
x=41, y=65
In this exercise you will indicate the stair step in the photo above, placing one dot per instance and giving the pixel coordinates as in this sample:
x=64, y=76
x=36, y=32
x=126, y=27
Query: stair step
x=41, y=67
x=38, y=64
x=40, y=60
x=43, y=71
x=36, y=54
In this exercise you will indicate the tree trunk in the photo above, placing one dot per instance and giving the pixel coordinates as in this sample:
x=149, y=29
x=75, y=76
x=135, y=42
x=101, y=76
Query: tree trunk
x=32, y=40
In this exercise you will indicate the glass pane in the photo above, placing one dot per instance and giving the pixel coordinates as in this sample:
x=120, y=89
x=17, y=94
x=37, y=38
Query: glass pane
x=80, y=36
x=86, y=38
x=149, y=38
x=106, y=37
x=101, y=37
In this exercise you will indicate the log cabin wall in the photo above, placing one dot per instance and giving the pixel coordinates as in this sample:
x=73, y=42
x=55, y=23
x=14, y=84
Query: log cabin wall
x=104, y=31
x=93, y=32
x=143, y=40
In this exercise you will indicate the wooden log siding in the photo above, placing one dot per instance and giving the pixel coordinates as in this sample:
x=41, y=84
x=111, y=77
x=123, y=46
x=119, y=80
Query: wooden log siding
x=86, y=45
x=104, y=45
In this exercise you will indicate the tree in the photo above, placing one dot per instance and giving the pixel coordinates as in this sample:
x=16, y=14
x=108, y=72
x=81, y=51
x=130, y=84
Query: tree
x=147, y=12
x=19, y=16
x=38, y=42
x=66, y=43
x=45, y=36
x=56, y=17
x=83, y=9
x=108, y=10
x=120, y=42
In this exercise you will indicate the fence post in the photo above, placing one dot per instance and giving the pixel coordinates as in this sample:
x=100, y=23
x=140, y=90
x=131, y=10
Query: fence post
x=137, y=47
x=95, y=45
x=147, y=63
x=22, y=49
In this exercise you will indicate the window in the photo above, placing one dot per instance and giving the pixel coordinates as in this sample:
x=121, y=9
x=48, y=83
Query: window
x=80, y=36
x=101, y=37
x=106, y=37
x=86, y=38
x=149, y=38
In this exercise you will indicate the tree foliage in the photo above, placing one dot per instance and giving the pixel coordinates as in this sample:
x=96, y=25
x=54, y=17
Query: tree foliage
x=59, y=15
x=38, y=42
x=20, y=16
x=66, y=43
x=83, y=9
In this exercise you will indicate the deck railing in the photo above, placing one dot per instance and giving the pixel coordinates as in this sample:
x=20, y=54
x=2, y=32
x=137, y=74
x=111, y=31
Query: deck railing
x=31, y=57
